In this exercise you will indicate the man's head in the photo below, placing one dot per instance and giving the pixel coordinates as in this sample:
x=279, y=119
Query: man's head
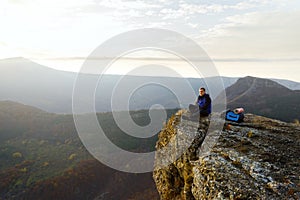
x=201, y=91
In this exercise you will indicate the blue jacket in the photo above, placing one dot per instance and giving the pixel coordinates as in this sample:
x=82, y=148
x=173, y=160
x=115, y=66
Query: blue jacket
x=204, y=103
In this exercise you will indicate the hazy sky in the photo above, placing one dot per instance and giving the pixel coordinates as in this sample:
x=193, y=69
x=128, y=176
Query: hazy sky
x=243, y=37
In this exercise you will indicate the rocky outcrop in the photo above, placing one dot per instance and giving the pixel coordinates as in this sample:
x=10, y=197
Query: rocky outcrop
x=257, y=159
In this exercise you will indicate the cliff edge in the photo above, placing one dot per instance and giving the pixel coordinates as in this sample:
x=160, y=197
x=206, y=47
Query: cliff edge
x=257, y=159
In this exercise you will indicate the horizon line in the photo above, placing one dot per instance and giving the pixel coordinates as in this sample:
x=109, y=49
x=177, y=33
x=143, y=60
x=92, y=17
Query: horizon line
x=250, y=59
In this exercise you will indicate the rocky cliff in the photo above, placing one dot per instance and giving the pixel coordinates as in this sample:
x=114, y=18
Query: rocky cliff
x=257, y=159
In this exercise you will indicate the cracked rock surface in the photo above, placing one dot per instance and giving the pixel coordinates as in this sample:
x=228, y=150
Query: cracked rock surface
x=257, y=159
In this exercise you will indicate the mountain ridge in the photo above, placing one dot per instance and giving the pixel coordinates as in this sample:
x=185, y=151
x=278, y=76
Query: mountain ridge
x=42, y=157
x=51, y=90
x=264, y=97
x=287, y=83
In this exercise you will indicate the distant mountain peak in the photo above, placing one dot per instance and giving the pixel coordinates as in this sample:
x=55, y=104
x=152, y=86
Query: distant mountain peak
x=254, y=82
x=15, y=59
x=263, y=97
x=12, y=107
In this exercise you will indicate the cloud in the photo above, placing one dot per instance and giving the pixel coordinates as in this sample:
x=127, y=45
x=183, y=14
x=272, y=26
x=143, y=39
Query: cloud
x=242, y=5
x=190, y=9
x=193, y=25
x=120, y=10
x=127, y=4
x=255, y=35
x=3, y=43
x=44, y=28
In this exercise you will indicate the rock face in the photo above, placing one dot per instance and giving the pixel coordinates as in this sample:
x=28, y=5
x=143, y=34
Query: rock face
x=257, y=159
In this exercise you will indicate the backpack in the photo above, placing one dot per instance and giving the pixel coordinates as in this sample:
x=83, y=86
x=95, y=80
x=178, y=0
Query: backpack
x=234, y=117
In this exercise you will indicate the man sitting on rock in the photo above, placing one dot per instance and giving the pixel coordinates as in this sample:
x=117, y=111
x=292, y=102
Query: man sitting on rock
x=202, y=106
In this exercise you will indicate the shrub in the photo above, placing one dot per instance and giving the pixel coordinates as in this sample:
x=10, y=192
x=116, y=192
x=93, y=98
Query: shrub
x=17, y=155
